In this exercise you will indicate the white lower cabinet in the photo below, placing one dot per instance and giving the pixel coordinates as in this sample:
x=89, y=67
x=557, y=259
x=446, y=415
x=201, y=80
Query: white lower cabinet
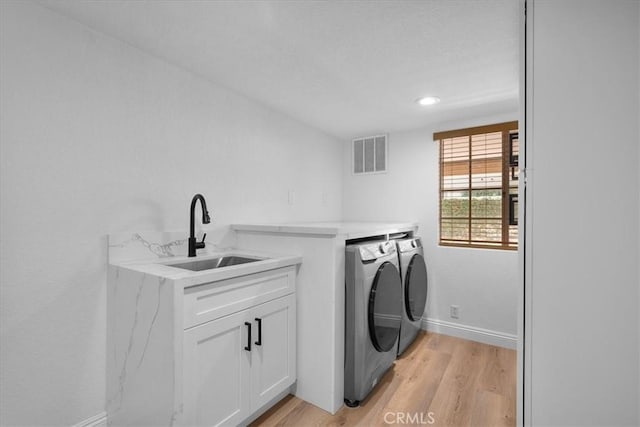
x=217, y=372
x=274, y=360
x=236, y=364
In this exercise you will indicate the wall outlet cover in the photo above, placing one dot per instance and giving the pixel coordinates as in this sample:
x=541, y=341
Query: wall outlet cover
x=454, y=311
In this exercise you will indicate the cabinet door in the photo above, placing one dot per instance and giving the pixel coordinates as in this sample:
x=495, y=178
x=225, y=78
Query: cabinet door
x=217, y=371
x=274, y=349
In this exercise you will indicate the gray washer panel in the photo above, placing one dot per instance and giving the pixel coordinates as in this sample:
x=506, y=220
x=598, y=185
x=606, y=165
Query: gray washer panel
x=364, y=365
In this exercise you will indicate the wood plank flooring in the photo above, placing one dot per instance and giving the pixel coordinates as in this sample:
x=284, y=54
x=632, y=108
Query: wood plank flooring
x=439, y=381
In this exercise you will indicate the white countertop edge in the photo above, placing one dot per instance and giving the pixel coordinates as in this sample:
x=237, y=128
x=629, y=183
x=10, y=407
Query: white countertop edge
x=186, y=278
x=281, y=228
x=351, y=230
x=380, y=231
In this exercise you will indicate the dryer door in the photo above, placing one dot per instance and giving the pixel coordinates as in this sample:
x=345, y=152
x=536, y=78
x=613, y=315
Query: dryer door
x=415, y=288
x=385, y=307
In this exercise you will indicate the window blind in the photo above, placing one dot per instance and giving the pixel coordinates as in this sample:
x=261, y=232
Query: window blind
x=479, y=186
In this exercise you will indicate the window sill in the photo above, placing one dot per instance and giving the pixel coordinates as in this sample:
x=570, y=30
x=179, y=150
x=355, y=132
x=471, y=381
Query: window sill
x=478, y=246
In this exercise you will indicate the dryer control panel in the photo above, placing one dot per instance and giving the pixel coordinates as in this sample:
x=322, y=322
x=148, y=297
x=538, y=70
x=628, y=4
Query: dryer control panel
x=409, y=244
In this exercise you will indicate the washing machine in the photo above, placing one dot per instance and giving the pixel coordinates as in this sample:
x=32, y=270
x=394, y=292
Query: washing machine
x=413, y=273
x=373, y=314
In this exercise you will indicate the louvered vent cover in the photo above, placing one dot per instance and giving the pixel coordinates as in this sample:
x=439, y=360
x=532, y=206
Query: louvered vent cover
x=370, y=154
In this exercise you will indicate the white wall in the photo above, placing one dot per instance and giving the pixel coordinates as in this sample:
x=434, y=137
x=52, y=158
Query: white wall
x=99, y=137
x=484, y=283
x=582, y=131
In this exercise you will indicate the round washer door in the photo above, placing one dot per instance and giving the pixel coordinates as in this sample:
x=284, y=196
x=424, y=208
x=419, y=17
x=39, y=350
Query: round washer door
x=415, y=288
x=385, y=307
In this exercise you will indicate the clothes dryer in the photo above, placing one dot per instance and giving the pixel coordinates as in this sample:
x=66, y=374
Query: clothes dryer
x=373, y=314
x=413, y=273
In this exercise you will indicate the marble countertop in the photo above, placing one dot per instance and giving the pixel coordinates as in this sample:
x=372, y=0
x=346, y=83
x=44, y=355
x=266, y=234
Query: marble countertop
x=185, y=278
x=350, y=230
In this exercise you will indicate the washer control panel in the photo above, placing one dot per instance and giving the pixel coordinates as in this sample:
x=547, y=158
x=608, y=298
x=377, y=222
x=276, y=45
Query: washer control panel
x=376, y=250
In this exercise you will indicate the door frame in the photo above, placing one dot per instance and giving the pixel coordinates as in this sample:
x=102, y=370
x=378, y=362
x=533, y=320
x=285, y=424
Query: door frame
x=525, y=185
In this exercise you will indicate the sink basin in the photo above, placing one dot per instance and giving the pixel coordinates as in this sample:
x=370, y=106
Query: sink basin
x=210, y=264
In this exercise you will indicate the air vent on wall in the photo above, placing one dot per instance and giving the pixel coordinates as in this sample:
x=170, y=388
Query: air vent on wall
x=370, y=154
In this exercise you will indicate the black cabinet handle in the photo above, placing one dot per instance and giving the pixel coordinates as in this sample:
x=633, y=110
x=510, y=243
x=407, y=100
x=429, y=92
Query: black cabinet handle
x=259, y=342
x=248, y=346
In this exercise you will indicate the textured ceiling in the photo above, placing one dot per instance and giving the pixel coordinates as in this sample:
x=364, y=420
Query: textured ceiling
x=349, y=68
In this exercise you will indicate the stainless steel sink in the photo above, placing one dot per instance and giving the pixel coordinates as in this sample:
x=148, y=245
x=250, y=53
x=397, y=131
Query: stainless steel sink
x=210, y=264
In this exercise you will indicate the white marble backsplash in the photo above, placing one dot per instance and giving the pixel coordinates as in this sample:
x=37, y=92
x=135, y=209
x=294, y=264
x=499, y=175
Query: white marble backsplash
x=151, y=245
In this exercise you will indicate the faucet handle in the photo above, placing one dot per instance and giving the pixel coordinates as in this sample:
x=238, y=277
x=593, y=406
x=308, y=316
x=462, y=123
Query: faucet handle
x=201, y=244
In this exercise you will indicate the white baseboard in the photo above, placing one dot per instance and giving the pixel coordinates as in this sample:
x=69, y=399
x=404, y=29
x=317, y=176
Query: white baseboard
x=99, y=420
x=471, y=333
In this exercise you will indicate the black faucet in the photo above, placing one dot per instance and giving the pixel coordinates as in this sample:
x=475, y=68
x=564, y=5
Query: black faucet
x=193, y=245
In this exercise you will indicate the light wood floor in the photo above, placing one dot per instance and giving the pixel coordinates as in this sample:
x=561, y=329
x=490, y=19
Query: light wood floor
x=439, y=380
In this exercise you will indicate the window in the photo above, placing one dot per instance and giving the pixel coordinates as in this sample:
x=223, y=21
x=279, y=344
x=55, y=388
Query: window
x=479, y=186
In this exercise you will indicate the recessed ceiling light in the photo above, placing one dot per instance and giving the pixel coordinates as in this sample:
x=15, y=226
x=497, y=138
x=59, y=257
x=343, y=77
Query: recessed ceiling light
x=428, y=100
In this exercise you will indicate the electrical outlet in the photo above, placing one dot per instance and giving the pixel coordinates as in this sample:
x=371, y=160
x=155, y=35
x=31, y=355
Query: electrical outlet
x=291, y=195
x=325, y=198
x=454, y=311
